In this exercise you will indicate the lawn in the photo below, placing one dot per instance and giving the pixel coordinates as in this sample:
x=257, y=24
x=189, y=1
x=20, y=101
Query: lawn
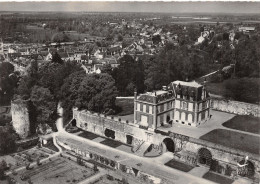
x=217, y=178
x=125, y=106
x=236, y=140
x=244, y=123
x=179, y=165
x=88, y=135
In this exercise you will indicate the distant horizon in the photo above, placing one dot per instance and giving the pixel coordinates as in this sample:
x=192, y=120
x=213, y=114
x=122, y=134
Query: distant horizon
x=134, y=7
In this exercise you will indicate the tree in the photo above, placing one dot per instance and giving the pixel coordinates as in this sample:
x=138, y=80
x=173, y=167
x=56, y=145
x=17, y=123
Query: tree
x=129, y=71
x=69, y=93
x=6, y=69
x=97, y=92
x=8, y=82
x=45, y=104
x=225, y=36
x=156, y=39
x=243, y=89
x=7, y=141
x=56, y=58
x=120, y=38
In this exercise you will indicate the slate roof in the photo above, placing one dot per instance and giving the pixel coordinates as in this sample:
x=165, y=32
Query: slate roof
x=156, y=96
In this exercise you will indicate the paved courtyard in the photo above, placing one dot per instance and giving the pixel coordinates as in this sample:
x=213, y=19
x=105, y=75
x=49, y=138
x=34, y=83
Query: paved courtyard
x=216, y=121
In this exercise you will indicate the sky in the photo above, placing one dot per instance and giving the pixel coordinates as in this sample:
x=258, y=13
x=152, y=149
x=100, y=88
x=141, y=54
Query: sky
x=127, y=6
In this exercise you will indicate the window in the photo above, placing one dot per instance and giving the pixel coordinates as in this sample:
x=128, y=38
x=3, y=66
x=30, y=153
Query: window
x=203, y=115
x=144, y=121
x=185, y=105
x=177, y=115
x=183, y=116
x=150, y=109
x=138, y=106
x=204, y=104
x=200, y=106
x=162, y=107
x=141, y=107
x=144, y=108
x=169, y=105
x=190, y=107
x=147, y=108
x=190, y=118
x=177, y=104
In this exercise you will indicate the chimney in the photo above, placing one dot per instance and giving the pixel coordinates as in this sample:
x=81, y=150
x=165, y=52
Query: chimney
x=135, y=94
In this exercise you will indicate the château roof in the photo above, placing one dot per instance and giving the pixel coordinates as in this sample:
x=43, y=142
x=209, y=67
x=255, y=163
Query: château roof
x=156, y=96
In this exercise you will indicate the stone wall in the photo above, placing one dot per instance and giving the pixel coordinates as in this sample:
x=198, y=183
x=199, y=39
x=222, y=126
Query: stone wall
x=235, y=107
x=186, y=148
x=20, y=117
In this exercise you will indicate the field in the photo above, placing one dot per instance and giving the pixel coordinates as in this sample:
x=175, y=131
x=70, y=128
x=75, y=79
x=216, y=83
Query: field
x=179, y=165
x=56, y=171
x=236, y=140
x=244, y=123
x=217, y=178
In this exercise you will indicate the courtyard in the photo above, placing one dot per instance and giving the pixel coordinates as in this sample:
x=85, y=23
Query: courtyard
x=55, y=171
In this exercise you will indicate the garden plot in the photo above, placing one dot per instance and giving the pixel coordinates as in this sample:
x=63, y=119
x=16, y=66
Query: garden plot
x=56, y=171
x=23, y=158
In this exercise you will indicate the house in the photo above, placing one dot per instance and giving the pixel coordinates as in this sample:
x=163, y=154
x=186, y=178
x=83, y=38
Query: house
x=153, y=109
x=246, y=29
x=192, y=103
x=114, y=50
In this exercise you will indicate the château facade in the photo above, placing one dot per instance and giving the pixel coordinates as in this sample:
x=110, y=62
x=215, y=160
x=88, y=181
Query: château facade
x=186, y=103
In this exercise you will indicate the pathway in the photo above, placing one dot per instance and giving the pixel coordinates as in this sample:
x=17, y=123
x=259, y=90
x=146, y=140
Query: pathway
x=148, y=165
x=199, y=171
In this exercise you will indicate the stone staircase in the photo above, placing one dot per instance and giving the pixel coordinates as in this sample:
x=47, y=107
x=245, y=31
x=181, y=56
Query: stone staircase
x=144, y=146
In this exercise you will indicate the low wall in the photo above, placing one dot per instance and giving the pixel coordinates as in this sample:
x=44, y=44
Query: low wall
x=186, y=148
x=235, y=107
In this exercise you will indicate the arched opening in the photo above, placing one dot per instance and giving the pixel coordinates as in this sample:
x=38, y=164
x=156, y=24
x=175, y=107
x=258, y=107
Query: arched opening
x=74, y=122
x=248, y=170
x=183, y=116
x=168, y=119
x=110, y=133
x=169, y=144
x=129, y=139
x=204, y=157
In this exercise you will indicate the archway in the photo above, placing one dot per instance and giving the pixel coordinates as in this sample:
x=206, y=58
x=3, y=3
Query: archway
x=129, y=139
x=248, y=170
x=169, y=144
x=74, y=122
x=110, y=133
x=204, y=157
x=168, y=119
